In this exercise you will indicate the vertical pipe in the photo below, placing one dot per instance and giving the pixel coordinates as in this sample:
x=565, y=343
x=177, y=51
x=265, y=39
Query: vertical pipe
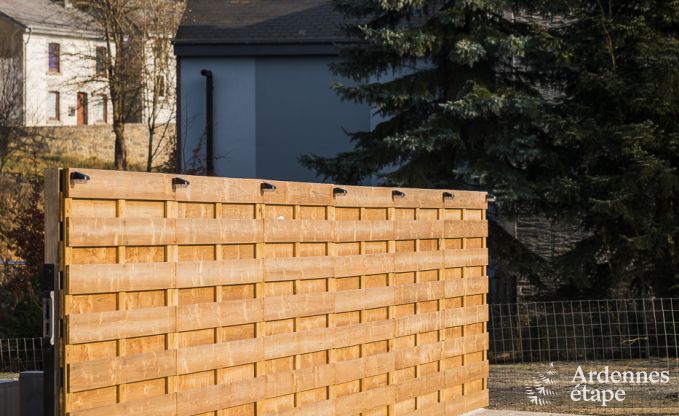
x=209, y=121
x=179, y=112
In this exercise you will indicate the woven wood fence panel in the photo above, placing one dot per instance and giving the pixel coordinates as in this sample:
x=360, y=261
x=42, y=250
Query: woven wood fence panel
x=221, y=298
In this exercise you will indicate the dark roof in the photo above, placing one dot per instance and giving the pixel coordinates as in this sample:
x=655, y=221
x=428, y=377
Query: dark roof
x=257, y=22
x=48, y=16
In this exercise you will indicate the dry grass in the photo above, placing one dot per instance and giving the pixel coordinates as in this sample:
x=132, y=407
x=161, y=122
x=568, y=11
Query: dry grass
x=9, y=376
x=507, y=384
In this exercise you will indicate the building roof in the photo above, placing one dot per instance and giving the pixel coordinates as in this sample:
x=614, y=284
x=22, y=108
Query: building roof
x=48, y=16
x=254, y=24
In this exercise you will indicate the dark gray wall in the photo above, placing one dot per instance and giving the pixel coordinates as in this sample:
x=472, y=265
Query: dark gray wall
x=23, y=397
x=298, y=113
x=268, y=112
x=9, y=398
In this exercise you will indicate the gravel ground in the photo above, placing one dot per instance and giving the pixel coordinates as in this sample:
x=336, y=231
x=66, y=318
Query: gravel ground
x=508, y=388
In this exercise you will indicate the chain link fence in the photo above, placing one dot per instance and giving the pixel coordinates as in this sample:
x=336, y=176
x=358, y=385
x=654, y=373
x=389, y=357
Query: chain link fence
x=20, y=354
x=542, y=356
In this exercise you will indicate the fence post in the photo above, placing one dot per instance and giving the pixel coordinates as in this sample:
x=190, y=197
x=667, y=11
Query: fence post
x=51, y=349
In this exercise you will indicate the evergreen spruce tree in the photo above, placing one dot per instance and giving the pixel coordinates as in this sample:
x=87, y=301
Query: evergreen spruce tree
x=457, y=110
x=615, y=144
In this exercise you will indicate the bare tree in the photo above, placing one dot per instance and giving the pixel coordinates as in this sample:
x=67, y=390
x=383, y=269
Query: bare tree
x=10, y=105
x=139, y=67
x=14, y=136
x=117, y=21
x=159, y=22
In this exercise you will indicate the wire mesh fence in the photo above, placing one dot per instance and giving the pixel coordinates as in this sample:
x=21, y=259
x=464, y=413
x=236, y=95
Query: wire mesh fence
x=542, y=356
x=20, y=354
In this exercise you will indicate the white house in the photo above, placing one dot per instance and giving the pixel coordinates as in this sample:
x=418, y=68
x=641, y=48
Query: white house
x=55, y=47
x=272, y=97
x=58, y=54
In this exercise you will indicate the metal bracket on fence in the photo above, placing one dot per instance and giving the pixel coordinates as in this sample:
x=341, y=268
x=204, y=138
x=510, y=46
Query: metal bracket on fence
x=339, y=192
x=180, y=183
x=398, y=194
x=267, y=187
x=448, y=195
x=79, y=177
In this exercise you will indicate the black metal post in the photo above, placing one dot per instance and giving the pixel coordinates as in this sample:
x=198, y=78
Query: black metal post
x=50, y=345
x=209, y=121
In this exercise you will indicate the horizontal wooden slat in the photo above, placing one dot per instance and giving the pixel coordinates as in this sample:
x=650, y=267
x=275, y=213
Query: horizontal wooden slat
x=364, y=264
x=101, y=326
x=101, y=232
x=281, y=231
x=425, y=260
x=105, y=278
x=365, y=196
x=133, y=185
x=120, y=185
x=297, y=268
x=108, y=372
x=465, y=258
x=212, y=315
x=102, y=278
x=412, y=229
x=364, y=230
x=299, y=193
x=213, y=273
x=216, y=231
x=165, y=405
x=142, y=186
x=460, y=229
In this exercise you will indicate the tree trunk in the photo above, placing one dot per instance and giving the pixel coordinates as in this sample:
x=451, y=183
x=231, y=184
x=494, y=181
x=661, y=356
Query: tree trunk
x=149, y=160
x=120, y=148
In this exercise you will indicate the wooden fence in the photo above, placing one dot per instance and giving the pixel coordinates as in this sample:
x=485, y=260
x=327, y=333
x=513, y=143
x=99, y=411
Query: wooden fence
x=247, y=297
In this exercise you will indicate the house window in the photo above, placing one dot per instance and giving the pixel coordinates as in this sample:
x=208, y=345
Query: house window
x=101, y=109
x=53, y=106
x=160, y=85
x=101, y=60
x=54, y=60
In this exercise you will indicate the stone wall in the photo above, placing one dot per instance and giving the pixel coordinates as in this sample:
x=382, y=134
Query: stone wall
x=97, y=142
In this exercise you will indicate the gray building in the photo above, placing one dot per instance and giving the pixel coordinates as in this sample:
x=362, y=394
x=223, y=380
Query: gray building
x=272, y=96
